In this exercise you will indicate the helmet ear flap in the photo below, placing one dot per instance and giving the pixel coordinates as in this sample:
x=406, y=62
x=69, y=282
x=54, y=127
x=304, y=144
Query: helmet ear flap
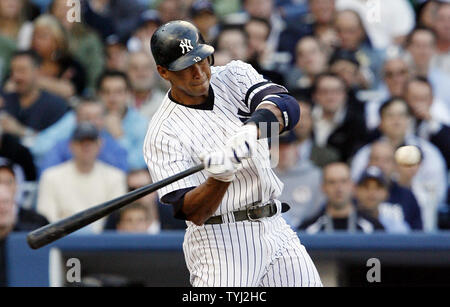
x=202, y=41
x=200, y=38
x=211, y=60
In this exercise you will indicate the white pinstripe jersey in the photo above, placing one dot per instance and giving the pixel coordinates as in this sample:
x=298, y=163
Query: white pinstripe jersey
x=178, y=134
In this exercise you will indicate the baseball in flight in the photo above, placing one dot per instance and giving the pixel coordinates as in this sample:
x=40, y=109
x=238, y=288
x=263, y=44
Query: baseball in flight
x=408, y=155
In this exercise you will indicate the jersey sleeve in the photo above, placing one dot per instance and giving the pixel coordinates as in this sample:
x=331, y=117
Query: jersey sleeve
x=166, y=156
x=251, y=85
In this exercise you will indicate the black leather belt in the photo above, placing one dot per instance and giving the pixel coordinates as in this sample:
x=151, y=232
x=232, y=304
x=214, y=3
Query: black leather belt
x=252, y=213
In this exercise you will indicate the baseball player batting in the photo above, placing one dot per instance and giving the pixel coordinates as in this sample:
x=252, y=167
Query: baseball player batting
x=235, y=233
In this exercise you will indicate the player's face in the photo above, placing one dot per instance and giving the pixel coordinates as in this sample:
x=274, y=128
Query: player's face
x=191, y=84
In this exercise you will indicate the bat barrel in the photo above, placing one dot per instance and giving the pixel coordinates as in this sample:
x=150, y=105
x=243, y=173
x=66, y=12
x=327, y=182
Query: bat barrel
x=54, y=231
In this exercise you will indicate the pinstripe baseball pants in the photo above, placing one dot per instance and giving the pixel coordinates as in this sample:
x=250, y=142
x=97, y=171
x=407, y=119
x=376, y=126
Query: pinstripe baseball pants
x=263, y=253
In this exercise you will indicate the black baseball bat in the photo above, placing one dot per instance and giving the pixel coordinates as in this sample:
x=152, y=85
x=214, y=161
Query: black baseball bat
x=54, y=231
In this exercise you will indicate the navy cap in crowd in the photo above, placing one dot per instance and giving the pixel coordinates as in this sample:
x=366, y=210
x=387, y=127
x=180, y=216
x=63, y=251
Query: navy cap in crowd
x=344, y=55
x=149, y=16
x=85, y=131
x=201, y=6
x=373, y=172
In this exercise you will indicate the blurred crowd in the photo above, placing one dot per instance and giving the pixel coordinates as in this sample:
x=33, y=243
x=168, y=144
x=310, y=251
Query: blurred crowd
x=369, y=75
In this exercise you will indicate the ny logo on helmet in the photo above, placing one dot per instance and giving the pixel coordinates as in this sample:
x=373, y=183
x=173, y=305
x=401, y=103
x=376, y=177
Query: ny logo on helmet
x=185, y=44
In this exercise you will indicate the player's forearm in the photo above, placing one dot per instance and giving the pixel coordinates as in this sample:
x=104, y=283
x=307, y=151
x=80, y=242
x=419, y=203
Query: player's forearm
x=201, y=203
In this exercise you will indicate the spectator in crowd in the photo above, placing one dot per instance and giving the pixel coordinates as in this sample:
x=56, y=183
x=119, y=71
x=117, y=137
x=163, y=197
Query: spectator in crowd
x=352, y=37
x=386, y=25
x=431, y=115
x=264, y=9
x=148, y=22
x=12, y=216
x=29, y=109
x=25, y=191
x=222, y=57
x=301, y=179
x=11, y=221
x=336, y=122
x=234, y=40
x=24, y=219
x=395, y=75
x=307, y=149
x=372, y=190
x=93, y=112
x=421, y=47
x=204, y=18
x=112, y=16
x=135, y=218
x=323, y=13
x=123, y=122
x=103, y=24
x=84, y=43
x=59, y=73
x=317, y=22
x=12, y=19
x=310, y=61
x=430, y=183
x=81, y=182
x=13, y=28
x=116, y=54
x=426, y=12
x=258, y=30
x=137, y=179
x=146, y=96
x=13, y=150
x=442, y=29
x=172, y=10
x=340, y=213
x=264, y=60
x=400, y=198
x=345, y=64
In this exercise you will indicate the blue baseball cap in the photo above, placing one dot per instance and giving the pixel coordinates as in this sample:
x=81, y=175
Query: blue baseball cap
x=373, y=172
x=85, y=131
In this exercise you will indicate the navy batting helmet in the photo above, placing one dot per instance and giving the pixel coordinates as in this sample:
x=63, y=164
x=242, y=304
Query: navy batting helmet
x=178, y=44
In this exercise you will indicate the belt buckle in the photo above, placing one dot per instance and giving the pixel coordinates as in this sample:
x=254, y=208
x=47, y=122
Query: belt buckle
x=250, y=218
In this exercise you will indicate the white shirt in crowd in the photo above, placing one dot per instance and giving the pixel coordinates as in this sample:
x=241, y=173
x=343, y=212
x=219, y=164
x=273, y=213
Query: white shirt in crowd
x=383, y=22
x=64, y=191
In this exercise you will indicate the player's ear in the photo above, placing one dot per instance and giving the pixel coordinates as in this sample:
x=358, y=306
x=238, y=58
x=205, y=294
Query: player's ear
x=163, y=72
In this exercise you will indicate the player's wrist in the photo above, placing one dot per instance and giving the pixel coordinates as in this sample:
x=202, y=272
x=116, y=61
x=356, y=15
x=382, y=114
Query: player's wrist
x=265, y=121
